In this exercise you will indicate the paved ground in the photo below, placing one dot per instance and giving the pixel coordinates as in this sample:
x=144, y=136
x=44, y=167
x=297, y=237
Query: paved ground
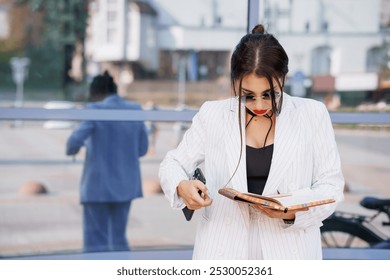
x=52, y=222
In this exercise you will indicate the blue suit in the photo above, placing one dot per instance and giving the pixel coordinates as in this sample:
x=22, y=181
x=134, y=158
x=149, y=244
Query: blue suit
x=111, y=175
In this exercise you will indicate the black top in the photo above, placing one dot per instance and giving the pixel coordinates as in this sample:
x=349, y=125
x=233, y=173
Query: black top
x=258, y=164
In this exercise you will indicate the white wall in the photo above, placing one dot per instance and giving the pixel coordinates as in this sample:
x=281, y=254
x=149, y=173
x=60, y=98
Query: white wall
x=349, y=52
x=101, y=49
x=198, y=13
x=351, y=16
x=137, y=33
x=133, y=44
x=199, y=39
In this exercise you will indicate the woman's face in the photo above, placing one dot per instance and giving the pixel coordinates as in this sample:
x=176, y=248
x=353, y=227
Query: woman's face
x=256, y=93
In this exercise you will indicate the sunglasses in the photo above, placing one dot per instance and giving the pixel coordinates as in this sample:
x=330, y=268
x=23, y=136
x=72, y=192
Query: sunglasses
x=266, y=96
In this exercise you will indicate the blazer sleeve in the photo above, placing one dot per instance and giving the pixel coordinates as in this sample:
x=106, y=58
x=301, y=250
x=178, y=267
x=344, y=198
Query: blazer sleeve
x=77, y=138
x=327, y=177
x=143, y=140
x=180, y=163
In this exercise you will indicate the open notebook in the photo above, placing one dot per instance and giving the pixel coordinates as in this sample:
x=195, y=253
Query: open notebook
x=300, y=199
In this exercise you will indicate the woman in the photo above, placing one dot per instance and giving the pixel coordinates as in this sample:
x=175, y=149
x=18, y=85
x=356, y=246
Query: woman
x=262, y=141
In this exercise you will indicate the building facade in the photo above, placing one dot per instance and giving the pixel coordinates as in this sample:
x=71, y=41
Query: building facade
x=334, y=46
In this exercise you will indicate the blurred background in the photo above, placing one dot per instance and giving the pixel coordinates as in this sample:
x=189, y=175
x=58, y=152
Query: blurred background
x=171, y=55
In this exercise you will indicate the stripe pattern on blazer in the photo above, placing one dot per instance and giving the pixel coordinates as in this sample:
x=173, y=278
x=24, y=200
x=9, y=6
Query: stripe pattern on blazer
x=305, y=156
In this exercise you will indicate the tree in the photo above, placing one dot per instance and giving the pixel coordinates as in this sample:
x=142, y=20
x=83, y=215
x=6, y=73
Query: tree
x=65, y=23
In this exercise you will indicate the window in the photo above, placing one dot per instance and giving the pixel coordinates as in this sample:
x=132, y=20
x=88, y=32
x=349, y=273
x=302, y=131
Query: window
x=321, y=60
x=376, y=57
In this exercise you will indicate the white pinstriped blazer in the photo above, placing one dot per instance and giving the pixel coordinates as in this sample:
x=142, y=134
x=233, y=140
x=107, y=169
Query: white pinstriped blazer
x=305, y=156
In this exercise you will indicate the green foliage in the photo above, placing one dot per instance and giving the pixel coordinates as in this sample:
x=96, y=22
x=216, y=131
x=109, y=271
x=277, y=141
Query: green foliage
x=35, y=5
x=65, y=23
x=65, y=20
x=46, y=68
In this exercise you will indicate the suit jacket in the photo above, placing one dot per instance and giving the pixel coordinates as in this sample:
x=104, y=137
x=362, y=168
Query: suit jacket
x=111, y=169
x=305, y=156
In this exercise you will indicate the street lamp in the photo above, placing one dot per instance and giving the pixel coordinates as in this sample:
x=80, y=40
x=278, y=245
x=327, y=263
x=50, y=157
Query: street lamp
x=19, y=74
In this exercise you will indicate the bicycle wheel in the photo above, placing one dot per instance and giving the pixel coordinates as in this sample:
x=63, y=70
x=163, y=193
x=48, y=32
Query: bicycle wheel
x=339, y=232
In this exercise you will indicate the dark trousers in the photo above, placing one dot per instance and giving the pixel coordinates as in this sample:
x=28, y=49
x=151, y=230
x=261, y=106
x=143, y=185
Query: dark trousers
x=104, y=226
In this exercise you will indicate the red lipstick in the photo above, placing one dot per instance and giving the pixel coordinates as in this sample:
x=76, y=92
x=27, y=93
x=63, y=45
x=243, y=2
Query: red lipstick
x=260, y=112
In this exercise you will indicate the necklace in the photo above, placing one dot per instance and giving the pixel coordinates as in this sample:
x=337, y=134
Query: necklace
x=269, y=130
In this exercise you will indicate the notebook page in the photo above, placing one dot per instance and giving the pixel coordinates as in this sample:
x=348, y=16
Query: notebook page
x=301, y=196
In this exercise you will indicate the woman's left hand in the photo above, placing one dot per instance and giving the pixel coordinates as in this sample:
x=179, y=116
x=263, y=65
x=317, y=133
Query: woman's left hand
x=290, y=215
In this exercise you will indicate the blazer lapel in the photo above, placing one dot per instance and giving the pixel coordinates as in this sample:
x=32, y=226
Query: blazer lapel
x=286, y=137
x=239, y=180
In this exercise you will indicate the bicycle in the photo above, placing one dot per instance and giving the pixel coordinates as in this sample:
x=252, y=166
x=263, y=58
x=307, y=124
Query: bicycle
x=346, y=230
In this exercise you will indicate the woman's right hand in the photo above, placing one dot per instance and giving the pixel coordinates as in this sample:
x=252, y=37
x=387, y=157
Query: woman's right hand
x=188, y=191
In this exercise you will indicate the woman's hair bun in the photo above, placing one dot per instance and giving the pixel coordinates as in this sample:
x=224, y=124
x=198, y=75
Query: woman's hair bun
x=258, y=29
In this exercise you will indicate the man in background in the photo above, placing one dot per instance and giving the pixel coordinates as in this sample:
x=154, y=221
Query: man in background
x=111, y=174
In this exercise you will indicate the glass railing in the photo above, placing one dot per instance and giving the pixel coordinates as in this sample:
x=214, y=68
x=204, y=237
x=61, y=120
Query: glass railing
x=40, y=211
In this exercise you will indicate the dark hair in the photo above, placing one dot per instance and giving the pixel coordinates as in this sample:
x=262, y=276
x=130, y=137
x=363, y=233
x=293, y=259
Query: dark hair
x=102, y=86
x=259, y=53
